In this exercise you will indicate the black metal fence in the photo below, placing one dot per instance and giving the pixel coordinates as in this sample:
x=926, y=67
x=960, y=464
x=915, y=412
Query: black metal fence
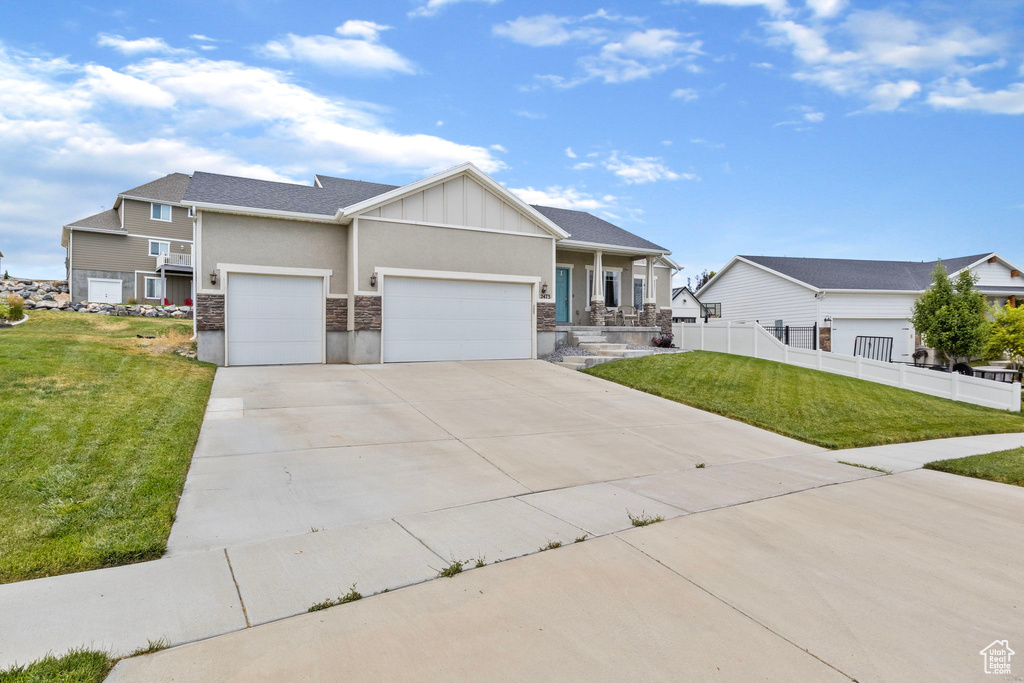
x=874, y=348
x=797, y=337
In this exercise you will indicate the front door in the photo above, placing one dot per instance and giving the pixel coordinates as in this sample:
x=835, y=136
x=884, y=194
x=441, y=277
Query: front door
x=562, y=295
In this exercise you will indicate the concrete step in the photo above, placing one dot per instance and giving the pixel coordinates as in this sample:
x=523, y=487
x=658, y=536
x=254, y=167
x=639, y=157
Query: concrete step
x=598, y=347
x=573, y=366
x=588, y=339
x=588, y=361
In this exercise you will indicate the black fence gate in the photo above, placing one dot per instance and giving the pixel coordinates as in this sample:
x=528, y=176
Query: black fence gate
x=797, y=337
x=873, y=348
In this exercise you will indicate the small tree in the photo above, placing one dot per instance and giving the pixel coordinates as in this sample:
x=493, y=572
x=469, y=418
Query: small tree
x=951, y=316
x=1006, y=334
x=704, y=278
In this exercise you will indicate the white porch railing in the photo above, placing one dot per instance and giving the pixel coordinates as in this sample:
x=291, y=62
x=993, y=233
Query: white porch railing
x=173, y=260
x=750, y=339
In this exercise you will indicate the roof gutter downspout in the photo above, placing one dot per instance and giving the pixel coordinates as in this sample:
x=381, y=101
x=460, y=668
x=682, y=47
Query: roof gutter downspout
x=195, y=271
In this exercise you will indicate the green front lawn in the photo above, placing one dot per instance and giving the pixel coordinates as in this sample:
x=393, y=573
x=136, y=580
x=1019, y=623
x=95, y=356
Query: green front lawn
x=1006, y=467
x=817, y=407
x=97, y=429
x=78, y=666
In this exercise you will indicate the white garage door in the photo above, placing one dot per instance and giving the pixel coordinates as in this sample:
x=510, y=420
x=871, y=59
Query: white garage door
x=846, y=330
x=102, y=291
x=456, y=320
x=274, y=319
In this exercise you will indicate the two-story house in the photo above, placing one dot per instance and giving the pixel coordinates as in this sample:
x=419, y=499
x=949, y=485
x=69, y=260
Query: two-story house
x=141, y=249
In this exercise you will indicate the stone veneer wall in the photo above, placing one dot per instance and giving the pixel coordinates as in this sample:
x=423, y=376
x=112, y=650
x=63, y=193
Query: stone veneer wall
x=337, y=315
x=210, y=312
x=545, y=316
x=664, y=320
x=368, y=313
x=825, y=338
x=649, y=315
x=597, y=312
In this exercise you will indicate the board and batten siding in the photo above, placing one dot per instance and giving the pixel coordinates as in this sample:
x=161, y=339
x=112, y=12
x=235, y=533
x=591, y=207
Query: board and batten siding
x=273, y=242
x=138, y=220
x=996, y=275
x=748, y=293
x=105, y=251
x=459, y=201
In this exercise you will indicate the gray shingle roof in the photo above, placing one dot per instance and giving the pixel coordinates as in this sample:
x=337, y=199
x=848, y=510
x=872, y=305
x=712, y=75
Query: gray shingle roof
x=337, y=193
x=855, y=274
x=171, y=188
x=351, y=192
x=1012, y=290
x=586, y=227
x=104, y=220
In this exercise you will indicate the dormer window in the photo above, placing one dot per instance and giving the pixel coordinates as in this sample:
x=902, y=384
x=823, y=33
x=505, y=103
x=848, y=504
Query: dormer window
x=160, y=212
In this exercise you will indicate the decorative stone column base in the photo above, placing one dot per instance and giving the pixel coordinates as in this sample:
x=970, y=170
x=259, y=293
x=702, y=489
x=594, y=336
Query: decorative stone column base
x=825, y=338
x=664, y=321
x=367, y=313
x=545, y=316
x=337, y=314
x=209, y=312
x=649, y=316
x=597, y=312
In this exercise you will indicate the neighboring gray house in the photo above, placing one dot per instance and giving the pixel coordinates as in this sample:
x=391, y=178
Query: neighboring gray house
x=141, y=249
x=449, y=267
x=847, y=298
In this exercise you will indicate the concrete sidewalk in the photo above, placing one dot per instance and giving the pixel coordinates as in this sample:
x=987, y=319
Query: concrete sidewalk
x=885, y=578
x=199, y=595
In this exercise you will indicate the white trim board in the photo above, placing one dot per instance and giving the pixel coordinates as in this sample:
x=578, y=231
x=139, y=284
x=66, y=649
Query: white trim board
x=451, y=226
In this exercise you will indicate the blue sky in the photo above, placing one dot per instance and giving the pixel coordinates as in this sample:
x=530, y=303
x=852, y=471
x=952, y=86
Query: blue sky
x=833, y=128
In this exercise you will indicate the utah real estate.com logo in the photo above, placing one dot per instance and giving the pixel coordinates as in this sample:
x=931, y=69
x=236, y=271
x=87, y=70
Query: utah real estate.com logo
x=997, y=657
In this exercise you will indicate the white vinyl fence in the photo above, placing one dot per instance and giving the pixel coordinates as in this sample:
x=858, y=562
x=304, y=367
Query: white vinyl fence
x=750, y=339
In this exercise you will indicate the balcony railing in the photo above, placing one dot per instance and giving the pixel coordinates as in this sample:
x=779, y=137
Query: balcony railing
x=180, y=260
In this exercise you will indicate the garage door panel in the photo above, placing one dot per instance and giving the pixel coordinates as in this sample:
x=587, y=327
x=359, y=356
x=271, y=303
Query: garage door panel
x=456, y=320
x=274, y=319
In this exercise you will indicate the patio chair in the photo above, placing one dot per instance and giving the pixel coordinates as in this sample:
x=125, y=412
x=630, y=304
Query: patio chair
x=629, y=316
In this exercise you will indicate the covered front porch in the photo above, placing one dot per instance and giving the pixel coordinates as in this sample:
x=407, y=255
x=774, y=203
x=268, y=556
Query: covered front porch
x=627, y=294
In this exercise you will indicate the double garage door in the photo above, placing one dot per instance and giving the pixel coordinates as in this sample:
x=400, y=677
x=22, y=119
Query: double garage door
x=846, y=330
x=275, y=320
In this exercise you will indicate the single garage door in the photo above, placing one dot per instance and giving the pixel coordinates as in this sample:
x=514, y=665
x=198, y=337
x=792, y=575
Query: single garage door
x=102, y=291
x=846, y=330
x=456, y=320
x=274, y=319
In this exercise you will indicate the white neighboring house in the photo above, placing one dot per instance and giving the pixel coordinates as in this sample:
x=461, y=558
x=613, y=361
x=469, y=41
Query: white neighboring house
x=686, y=306
x=852, y=297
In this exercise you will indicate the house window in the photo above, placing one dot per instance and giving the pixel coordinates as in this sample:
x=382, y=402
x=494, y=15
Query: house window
x=684, y=320
x=160, y=212
x=156, y=248
x=640, y=290
x=153, y=289
x=612, y=287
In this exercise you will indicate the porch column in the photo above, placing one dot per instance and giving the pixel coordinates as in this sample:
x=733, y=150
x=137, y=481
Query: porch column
x=597, y=309
x=649, y=316
x=163, y=284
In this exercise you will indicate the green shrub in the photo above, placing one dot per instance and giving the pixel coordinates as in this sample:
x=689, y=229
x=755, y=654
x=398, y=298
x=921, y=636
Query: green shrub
x=5, y=309
x=131, y=301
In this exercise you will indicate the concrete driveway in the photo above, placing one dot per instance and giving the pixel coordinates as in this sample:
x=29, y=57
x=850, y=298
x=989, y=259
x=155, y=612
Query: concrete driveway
x=290, y=450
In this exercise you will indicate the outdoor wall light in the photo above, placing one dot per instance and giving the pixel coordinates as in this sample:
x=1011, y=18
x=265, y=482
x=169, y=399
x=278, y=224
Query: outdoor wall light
x=373, y=280
x=213, y=277
x=544, y=288
x=828, y=320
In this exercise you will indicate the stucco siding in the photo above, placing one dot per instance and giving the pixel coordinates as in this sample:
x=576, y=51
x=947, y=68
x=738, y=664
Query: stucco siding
x=104, y=251
x=252, y=241
x=748, y=293
x=399, y=245
x=579, y=309
x=460, y=201
x=663, y=283
x=138, y=221
x=996, y=275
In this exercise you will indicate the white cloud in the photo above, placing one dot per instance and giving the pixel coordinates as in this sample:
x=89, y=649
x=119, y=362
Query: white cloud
x=138, y=46
x=532, y=115
x=685, y=94
x=546, y=30
x=706, y=143
x=890, y=95
x=583, y=165
x=564, y=198
x=569, y=153
x=203, y=38
x=963, y=95
x=826, y=8
x=638, y=170
x=119, y=87
x=773, y=6
x=627, y=53
x=870, y=55
x=85, y=132
x=432, y=7
x=357, y=52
